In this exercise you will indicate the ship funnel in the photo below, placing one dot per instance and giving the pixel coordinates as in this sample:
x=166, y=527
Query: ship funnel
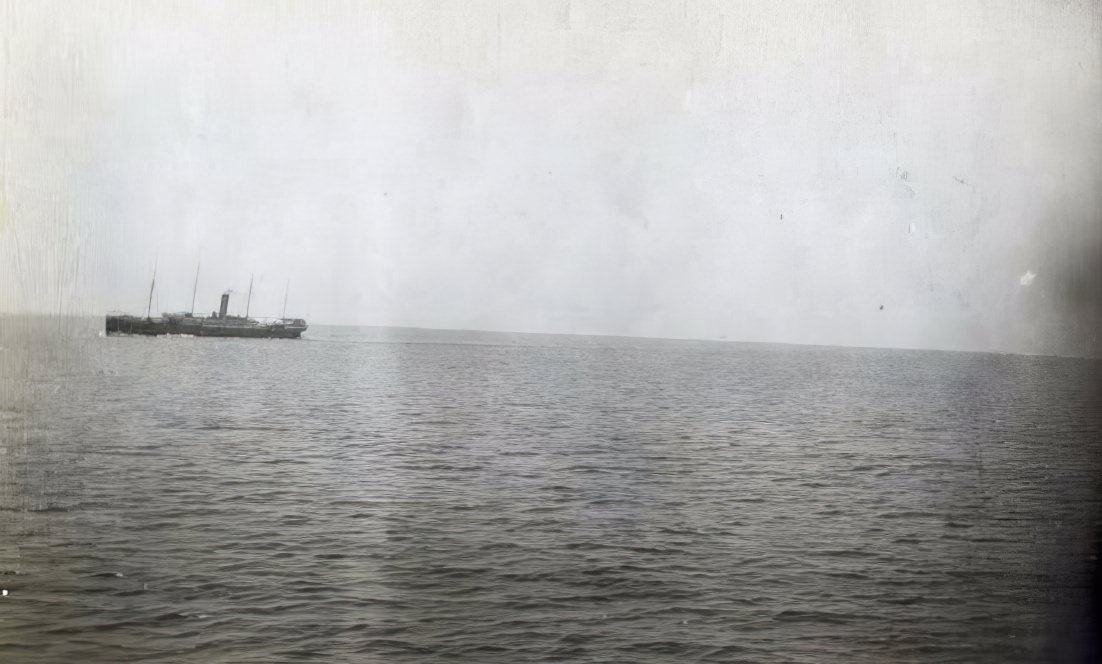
x=224, y=306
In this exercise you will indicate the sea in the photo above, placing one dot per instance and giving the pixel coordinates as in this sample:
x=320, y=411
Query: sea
x=402, y=495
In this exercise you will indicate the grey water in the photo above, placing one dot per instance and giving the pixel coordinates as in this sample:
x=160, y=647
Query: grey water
x=389, y=495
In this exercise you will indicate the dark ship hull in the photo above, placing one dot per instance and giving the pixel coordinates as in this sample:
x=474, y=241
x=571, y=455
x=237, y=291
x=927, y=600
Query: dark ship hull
x=206, y=327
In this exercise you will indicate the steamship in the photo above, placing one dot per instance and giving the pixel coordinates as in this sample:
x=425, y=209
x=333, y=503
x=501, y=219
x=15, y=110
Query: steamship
x=218, y=324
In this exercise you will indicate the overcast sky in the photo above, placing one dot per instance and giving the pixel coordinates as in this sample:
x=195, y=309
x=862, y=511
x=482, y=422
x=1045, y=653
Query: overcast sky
x=772, y=171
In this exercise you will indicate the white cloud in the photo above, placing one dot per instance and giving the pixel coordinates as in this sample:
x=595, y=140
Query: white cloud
x=1027, y=278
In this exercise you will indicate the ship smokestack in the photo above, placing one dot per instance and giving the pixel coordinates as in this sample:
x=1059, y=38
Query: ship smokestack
x=224, y=306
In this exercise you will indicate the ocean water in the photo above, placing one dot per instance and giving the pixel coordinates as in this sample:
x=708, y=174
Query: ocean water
x=382, y=495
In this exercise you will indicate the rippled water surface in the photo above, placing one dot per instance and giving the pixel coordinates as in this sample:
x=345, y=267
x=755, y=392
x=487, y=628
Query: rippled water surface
x=369, y=495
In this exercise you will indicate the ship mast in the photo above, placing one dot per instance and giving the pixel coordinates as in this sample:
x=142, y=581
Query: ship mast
x=195, y=288
x=284, y=314
x=250, y=299
x=149, y=305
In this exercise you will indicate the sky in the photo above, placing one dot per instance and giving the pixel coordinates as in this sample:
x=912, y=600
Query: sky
x=874, y=173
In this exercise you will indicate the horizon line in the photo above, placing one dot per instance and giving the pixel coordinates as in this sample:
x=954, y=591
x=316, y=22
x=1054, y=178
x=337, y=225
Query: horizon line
x=647, y=337
x=723, y=341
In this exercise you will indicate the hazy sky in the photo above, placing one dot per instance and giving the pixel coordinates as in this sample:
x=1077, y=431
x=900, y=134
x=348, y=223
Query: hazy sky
x=769, y=170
